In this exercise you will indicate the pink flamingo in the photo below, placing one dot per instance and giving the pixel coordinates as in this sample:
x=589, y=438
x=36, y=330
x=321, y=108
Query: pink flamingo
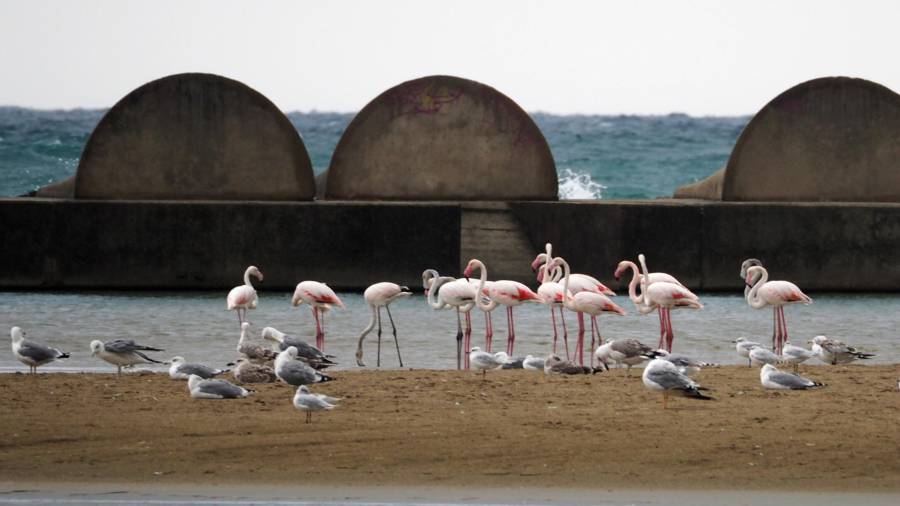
x=551, y=293
x=578, y=283
x=591, y=303
x=642, y=306
x=503, y=292
x=377, y=296
x=243, y=297
x=320, y=299
x=665, y=295
x=776, y=294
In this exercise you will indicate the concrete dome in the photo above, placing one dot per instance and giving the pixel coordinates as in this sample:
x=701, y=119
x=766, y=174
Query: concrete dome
x=195, y=136
x=829, y=139
x=442, y=138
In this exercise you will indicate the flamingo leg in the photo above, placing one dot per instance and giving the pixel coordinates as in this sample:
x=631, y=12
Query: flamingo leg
x=319, y=336
x=593, y=333
x=394, y=328
x=508, y=332
x=579, y=343
x=670, y=332
x=468, y=339
x=776, y=327
x=459, y=336
x=565, y=332
x=378, y=318
x=553, y=319
x=662, y=329
x=784, y=331
x=488, y=331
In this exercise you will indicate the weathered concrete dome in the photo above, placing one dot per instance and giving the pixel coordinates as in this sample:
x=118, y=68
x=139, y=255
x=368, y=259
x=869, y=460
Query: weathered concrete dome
x=442, y=138
x=195, y=136
x=829, y=139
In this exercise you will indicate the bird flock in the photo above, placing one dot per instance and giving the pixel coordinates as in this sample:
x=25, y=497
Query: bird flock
x=300, y=364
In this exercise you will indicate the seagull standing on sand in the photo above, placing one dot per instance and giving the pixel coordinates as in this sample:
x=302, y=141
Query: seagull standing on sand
x=214, y=389
x=662, y=376
x=122, y=352
x=243, y=297
x=743, y=347
x=795, y=354
x=760, y=356
x=249, y=372
x=31, y=353
x=832, y=351
x=305, y=351
x=309, y=402
x=483, y=360
x=183, y=370
x=295, y=372
x=627, y=351
x=772, y=378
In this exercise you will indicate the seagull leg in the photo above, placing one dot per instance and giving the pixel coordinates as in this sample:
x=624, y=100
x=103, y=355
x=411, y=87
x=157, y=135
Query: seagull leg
x=665, y=398
x=378, y=317
x=394, y=327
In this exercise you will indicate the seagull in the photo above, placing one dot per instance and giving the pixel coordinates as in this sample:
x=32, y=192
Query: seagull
x=685, y=365
x=255, y=352
x=760, y=355
x=483, y=360
x=556, y=365
x=795, y=354
x=122, y=352
x=182, y=370
x=305, y=352
x=214, y=389
x=662, y=376
x=308, y=402
x=31, y=353
x=770, y=377
x=832, y=351
x=743, y=347
x=532, y=363
x=296, y=372
x=627, y=351
x=511, y=363
x=249, y=372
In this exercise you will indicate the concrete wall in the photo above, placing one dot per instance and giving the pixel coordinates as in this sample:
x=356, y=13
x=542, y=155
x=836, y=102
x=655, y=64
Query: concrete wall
x=841, y=247
x=829, y=139
x=442, y=138
x=189, y=245
x=195, y=136
x=192, y=245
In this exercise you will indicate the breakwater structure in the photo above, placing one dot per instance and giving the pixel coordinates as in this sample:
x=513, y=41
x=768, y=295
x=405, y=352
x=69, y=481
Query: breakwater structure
x=190, y=178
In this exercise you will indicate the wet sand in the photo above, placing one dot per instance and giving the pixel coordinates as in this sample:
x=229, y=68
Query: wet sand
x=451, y=429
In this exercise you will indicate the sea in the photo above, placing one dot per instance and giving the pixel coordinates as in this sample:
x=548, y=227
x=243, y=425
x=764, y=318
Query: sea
x=598, y=157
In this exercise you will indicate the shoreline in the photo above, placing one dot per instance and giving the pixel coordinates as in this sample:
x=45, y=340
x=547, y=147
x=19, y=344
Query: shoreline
x=399, y=428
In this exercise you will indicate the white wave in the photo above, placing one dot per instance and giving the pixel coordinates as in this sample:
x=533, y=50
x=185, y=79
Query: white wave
x=578, y=185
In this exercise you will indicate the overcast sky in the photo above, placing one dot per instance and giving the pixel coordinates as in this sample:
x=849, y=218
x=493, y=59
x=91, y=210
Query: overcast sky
x=641, y=57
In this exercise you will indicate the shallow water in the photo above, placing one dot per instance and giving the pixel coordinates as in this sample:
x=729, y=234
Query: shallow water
x=196, y=326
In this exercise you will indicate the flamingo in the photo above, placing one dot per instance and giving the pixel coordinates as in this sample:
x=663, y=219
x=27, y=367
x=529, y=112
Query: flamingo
x=445, y=292
x=505, y=292
x=776, y=294
x=665, y=295
x=428, y=279
x=377, y=296
x=591, y=303
x=320, y=299
x=551, y=293
x=243, y=297
x=578, y=283
x=640, y=303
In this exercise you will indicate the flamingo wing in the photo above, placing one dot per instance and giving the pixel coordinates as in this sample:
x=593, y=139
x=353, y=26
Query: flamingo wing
x=242, y=296
x=779, y=293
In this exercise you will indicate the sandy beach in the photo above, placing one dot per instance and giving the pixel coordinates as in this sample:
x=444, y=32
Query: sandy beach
x=451, y=429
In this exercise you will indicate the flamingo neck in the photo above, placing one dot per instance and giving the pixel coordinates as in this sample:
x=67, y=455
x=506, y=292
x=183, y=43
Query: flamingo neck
x=433, y=299
x=632, y=286
x=753, y=298
x=567, y=300
x=476, y=264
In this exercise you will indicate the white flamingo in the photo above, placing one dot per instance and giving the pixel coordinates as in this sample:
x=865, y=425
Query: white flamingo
x=776, y=294
x=377, y=296
x=243, y=297
x=666, y=295
x=320, y=299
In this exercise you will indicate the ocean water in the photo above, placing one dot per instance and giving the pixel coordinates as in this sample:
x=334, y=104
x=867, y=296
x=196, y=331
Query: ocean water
x=196, y=326
x=610, y=157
